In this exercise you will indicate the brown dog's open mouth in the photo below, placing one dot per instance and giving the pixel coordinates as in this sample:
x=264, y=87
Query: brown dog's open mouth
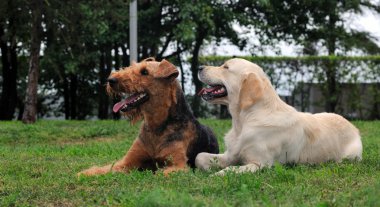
x=130, y=102
x=213, y=92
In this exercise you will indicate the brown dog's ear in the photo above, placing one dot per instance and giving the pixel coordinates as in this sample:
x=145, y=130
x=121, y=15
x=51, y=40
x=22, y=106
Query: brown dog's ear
x=251, y=91
x=166, y=70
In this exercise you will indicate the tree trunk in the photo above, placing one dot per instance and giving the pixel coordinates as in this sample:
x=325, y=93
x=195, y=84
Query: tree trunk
x=8, y=100
x=331, y=94
x=73, y=96
x=224, y=114
x=30, y=111
x=104, y=71
x=116, y=116
x=375, y=111
x=195, y=105
x=101, y=112
x=66, y=98
x=125, y=59
x=20, y=106
x=182, y=72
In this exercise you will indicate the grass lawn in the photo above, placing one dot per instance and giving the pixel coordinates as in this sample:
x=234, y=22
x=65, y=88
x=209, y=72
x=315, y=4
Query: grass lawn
x=38, y=166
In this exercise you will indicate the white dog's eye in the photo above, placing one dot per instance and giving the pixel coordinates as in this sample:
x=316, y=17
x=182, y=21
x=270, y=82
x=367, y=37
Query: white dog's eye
x=225, y=66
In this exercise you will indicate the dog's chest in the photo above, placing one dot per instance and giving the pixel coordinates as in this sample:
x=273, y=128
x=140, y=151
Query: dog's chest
x=159, y=143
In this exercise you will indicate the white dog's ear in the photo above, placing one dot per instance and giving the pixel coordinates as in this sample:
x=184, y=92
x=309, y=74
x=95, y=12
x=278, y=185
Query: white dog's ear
x=166, y=70
x=251, y=91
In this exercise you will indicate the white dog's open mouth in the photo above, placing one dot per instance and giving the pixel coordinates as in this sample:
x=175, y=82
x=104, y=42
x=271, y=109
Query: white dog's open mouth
x=130, y=102
x=213, y=92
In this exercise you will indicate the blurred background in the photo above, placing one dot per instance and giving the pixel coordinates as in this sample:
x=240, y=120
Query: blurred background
x=321, y=55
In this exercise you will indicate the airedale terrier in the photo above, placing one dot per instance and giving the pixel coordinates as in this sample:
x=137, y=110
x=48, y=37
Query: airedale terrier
x=170, y=136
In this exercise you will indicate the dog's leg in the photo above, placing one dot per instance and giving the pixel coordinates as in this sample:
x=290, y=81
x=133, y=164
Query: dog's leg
x=175, y=156
x=253, y=167
x=131, y=160
x=207, y=161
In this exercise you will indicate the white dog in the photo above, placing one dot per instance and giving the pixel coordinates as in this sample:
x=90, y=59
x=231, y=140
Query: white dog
x=265, y=129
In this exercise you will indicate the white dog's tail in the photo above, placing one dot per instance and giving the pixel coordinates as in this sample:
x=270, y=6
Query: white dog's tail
x=354, y=149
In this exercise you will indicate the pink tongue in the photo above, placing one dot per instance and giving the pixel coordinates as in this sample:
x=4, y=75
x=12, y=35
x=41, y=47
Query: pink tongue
x=117, y=106
x=208, y=90
x=212, y=89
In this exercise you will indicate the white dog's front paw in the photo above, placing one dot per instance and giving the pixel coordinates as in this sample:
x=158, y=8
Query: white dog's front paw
x=223, y=172
x=202, y=161
x=220, y=173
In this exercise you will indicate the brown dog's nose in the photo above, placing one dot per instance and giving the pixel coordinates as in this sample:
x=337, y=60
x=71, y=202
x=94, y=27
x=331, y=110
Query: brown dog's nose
x=112, y=81
x=201, y=67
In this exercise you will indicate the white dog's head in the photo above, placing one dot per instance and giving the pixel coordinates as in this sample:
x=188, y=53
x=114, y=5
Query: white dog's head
x=237, y=81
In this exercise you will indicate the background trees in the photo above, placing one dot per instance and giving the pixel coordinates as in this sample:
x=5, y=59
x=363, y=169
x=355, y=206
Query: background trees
x=320, y=27
x=83, y=41
x=13, y=31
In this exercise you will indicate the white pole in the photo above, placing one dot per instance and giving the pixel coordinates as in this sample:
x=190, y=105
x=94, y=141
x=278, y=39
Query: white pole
x=133, y=31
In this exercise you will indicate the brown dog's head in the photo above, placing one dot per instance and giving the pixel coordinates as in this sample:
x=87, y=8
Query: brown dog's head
x=143, y=87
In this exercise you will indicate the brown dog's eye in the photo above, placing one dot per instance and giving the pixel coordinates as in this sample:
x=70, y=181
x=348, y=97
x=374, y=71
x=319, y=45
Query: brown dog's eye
x=144, y=72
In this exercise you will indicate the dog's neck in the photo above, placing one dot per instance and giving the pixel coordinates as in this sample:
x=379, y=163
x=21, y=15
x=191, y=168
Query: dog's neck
x=270, y=104
x=172, y=107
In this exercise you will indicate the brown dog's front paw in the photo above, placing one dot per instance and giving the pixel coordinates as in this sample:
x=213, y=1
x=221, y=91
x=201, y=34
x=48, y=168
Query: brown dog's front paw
x=170, y=170
x=95, y=171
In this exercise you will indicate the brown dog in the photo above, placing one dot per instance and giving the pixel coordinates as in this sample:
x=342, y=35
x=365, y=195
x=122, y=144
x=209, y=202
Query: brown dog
x=170, y=136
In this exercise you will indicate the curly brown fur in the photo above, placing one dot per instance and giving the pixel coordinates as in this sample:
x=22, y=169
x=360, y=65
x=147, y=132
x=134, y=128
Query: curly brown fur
x=170, y=137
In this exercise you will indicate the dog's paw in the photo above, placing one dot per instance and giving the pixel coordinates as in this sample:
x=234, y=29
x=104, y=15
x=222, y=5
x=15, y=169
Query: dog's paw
x=206, y=161
x=220, y=173
x=228, y=170
x=88, y=172
x=93, y=171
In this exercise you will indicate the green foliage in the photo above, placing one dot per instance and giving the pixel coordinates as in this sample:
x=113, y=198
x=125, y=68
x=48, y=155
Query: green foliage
x=39, y=165
x=314, y=22
x=84, y=40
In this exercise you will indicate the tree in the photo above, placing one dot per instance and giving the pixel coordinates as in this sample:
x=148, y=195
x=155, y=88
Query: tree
x=311, y=23
x=201, y=22
x=30, y=111
x=13, y=20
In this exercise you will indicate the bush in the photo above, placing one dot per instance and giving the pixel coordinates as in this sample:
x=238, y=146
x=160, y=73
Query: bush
x=342, y=84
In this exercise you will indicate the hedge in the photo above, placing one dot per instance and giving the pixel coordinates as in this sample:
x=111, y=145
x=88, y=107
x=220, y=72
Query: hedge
x=349, y=85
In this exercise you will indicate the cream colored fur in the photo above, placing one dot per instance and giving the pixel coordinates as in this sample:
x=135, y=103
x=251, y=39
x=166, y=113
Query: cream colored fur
x=266, y=130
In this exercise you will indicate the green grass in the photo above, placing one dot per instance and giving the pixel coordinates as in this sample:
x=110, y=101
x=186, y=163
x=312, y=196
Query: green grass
x=38, y=166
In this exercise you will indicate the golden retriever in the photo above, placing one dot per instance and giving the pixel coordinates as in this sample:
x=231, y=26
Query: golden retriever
x=265, y=129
